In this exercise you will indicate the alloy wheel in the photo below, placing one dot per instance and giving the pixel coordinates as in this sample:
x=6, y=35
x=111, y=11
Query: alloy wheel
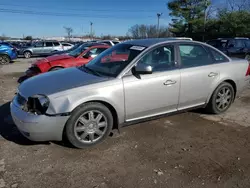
x=27, y=54
x=90, y=126
x=4, y=59
x=223, y=98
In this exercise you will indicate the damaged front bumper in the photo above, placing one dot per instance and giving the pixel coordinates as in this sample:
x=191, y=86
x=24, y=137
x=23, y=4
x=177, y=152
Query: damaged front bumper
x=37, y=127
x=32, y=71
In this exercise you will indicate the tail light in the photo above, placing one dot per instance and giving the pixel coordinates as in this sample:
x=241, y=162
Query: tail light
x=248, y=70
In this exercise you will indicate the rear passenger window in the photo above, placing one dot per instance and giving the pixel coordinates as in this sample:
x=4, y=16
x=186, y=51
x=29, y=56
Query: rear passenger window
x=49, y=44
x=56, y=44
x=218, y=57
x=194, y=55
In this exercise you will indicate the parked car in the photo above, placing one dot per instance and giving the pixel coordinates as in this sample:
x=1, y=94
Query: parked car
x=66, y=51
x=7, y=53
x=233, y=47
x=75, y=47
x=110, y=42
x=77, y=57
x=67, y=46
x=42, y=48
x=159, y=76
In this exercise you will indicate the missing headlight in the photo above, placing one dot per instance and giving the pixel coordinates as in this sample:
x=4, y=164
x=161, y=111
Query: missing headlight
x=37, y=104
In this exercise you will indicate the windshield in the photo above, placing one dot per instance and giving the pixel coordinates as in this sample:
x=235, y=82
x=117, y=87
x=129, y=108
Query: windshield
x=112, y=61
x=76, y=52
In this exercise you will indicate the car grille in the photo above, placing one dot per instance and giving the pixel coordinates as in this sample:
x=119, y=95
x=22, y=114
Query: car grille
x=20, y=100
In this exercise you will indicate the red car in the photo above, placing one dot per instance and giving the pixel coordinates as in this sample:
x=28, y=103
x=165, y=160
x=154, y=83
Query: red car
x=77, y=57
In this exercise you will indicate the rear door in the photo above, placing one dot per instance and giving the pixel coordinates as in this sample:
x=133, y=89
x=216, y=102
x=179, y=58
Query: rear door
x=199, y=74
x=49, y=47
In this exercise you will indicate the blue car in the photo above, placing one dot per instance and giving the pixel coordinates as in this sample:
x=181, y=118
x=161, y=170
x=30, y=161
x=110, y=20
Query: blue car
x=7, y=53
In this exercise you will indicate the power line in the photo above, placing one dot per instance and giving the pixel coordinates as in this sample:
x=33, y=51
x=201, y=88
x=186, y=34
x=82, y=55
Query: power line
x=85, y=10
x=29, y=12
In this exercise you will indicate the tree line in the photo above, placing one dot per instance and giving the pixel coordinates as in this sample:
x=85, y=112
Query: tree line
x=201, y=20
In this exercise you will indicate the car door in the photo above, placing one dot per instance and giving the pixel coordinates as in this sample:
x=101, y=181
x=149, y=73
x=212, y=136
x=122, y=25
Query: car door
x=198, y=75
x=38, y=48
x=49, y=47
x=236, y=48
x=153, y=94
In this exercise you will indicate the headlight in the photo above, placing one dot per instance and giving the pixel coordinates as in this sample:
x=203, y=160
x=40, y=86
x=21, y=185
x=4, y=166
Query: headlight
x=38, y=104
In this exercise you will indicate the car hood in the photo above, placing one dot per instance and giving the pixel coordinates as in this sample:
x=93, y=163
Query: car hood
x=57, y=81
x=58, y=57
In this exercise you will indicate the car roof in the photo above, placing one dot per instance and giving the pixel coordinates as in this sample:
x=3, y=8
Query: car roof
x=153, y=41
x=99, y=46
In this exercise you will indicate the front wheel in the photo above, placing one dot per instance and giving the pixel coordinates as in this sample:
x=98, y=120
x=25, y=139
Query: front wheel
x=221, y=99
x=89, y=125
x=4, y=59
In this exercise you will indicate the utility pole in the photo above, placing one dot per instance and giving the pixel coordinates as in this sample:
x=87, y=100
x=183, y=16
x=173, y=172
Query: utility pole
x=158, y=23
x=91, y=30
x=205, y=20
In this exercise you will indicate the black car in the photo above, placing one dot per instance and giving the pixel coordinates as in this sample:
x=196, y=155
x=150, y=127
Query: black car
x=233, y=47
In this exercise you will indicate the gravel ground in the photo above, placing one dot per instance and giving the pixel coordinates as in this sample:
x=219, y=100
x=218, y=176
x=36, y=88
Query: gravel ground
x=190, y=150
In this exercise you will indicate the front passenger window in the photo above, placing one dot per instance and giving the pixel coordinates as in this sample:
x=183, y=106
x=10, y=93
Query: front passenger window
x=194, y=55
x=160, y=59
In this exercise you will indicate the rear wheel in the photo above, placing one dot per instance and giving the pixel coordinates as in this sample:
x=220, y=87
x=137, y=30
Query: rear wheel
x=89, y=125
x=221, y=99
x=27, y=54
x=4, y=59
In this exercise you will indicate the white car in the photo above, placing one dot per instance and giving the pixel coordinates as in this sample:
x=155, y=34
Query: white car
x=110, y=42
x=67, y=46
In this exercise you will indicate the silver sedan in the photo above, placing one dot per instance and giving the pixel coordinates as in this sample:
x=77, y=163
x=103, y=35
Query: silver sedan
x=131, y=81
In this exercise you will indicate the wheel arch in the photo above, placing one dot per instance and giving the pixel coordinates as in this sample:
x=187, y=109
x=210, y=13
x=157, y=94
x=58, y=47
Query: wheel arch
x=5, y=53
x=27, y=51
x=227, y=80
x=57, y=66
x=106, y=104
x=109, y=106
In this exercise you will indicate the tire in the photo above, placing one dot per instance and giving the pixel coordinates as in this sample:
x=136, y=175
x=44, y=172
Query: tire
x=27, y=54
x=220, y=101
x=56, y=68
x=84, y=130
x=4, y=59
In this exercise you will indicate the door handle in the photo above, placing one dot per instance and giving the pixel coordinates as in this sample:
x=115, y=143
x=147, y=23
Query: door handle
x=212, y=74
x=169, y=82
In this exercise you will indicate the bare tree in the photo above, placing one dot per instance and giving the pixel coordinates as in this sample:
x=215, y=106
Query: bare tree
x=148, y=31
x=69, y=32
x=238, y=5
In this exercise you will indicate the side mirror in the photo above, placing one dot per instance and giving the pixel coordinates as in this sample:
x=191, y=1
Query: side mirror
x=143, y=69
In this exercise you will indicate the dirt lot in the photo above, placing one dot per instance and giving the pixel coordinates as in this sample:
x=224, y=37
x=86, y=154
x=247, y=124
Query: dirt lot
x=185, y=150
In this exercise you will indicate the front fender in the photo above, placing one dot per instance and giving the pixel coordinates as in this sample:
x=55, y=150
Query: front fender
x=113, y=95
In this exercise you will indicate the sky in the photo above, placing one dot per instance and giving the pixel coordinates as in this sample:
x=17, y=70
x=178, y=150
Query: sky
x=47, y=18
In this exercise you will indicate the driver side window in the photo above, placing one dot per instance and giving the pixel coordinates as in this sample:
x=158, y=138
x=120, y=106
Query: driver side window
x=160, y=59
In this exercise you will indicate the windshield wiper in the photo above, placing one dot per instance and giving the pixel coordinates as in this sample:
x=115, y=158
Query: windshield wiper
x=90, y=70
